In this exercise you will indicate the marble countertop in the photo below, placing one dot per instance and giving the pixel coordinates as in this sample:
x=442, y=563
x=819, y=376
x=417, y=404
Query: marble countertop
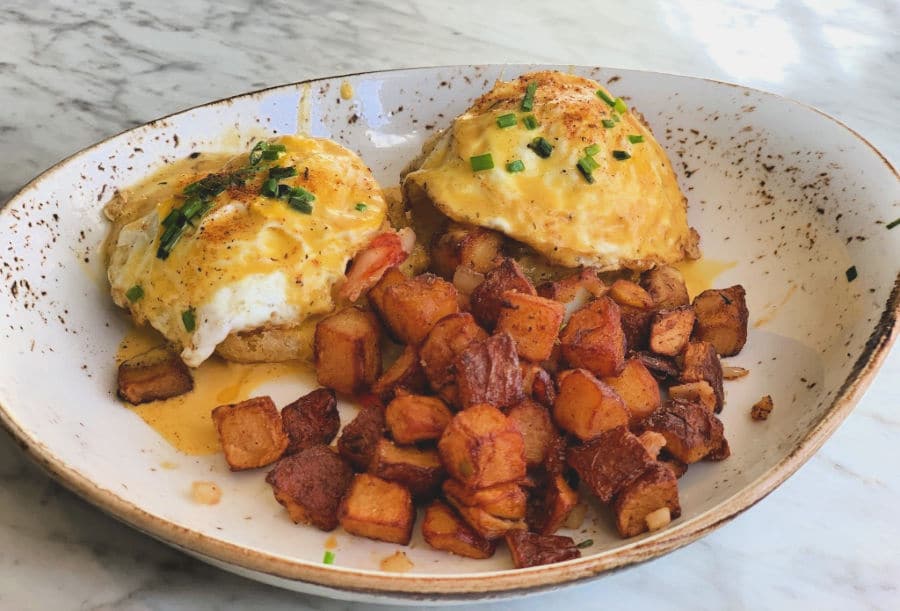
x=828, y=538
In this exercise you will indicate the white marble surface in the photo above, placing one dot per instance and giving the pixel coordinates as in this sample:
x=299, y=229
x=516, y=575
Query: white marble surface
x=827, y=539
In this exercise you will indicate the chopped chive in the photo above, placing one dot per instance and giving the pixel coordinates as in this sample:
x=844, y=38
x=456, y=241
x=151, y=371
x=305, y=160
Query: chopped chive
x=257, y=151
x=361, y=207
x=585, y=543
x=605, y=97
x=586, y=165
x=270, y=154
x=282, y=172
x=173, y=218
x=278, y=148
x=530, y=122
x=328, y=558
x=851, y=273
x=515, y=166
x=608, y=123
x=270, y=188
x=300, y=205
x=621, y=155
x=192, y=208
x=507, y=120
x=620, y=106
x=301, y=193
x=635, y=139
x=616, y=117
x=481, y=162
x=284, y=191
x=169, y=237
x=592, y=149
x=134, y=293
x=541, y=147
x=528, y=100
x=893, y=224
x=190, y=322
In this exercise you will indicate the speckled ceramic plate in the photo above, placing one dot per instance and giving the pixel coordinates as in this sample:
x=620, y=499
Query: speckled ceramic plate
x=787, y=200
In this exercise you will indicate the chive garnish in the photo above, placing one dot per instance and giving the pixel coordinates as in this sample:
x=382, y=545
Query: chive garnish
x=585, y=543
x=530, y=122
x=507, y=120
x=616, y=117
x=608, y=123
x=328, y=558
x=620, y=106
x=605, y=97
x=481, y=162
x=300, y=205
x=541, y=147
x=360, y=207
x=515, y=166
x=586, y=165
x=851, y=273
x=190, y=323
x=134, y=293
x=621, y=155
x=635, y=138
x=270, y=187
x=893, y=224
x=592, y=149
x=282, y=172
x=528, y=100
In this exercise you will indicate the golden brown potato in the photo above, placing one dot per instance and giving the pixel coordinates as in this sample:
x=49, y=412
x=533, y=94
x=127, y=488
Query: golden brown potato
x=585, y=406
x=556, y=503
x=594, y=340
x=701, y=363
x=415, y=418
x=652, y=442
x=310, y=485
x=251, y=433
x=533, y=322
x=488, y=372
x=502, y=501
x=378, y=509
x=627, y=293
x=376, y=294
x=533, y=421
x=670, y=330
x=270, y=344
x=655, y=489
x=530, y=549
x=666, y=286
x=347, y=351
x=636, y=325
x=608, y=462
x=464, y=245
x=311, y=420
x=662, y=367
x=695, y=392
x=690, y=430
x=156, y=374
x=637, y=387
x=481, y=447
x=485, y=524
x=449, y=337
x=410, y=307
x=359, y=439
x=577, y=288
x=762, y=408
x=443, y=529
x=722, y=319
x=405, y=373
x=487, y=298
x=538, y=384
x=419, y=470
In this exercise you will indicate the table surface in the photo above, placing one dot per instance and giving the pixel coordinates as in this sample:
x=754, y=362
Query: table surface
x=826, y=539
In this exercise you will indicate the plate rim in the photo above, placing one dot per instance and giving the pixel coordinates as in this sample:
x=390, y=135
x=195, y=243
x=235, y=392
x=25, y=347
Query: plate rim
x=466, y=585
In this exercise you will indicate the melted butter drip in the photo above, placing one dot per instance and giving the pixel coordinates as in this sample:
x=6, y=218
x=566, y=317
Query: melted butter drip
x=699, y=275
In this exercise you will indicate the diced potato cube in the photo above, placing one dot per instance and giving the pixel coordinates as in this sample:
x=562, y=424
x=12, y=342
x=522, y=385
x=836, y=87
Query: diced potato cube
x=419, y=470
x=443, y=529
x=533, y=322
x=701, y=363
x=690, y=430
x=347, y=352
x=464, y=245
x=594, y=339
x=652, y=442
x=537, y=384
x=487, y=298
x=582, y=286
x=503, y=500
x=608, y=462
x=311, y=420
x=670, y=330
x=585, y=406
x=627, y=293
x=251, y=433
x=636, y=325
x=722, y=319
x=310, y=485
x=449, y=337
x=666, y=286
x=557, y=502
x=415, y=418
x=378, y=509
x=654, y=490
x=488, y=372
x=376, y=294
x=360, y=437
x=405, y=373
x=154, y=375
x=762, y=408
x=530, y=549
x=695, y=392
x=410, y=307
x=533, y=421
x=662, y=367
x=637, y=387
x=487, y=525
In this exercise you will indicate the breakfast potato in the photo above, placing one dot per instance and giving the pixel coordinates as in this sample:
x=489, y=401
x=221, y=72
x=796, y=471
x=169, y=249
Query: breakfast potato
x=360, y=437
x=609, y=461
x=376, y=294
x=310, y=485
x=656, y=489
x=695, y=392
x=488, y=372
x=378, y=509
x=666, y=286
x=585, y=406
x=502, y=501
x=443, y=529
x=554, y=506
x=251, y=433
x=154, y=375
x=594, y=339
x=637, y=387
x=347, y=351
x=762, y=408
x=652, y=442
x=532, y=321
x=533, y=421
x=575, y=289
x=464, y=245
x=405, y=373
x=636, y=325
x=270, y=344
x=701, y=363
x=531, y=549
x=410, y=307
x=419, y=470
x=415, y=418
x=538, y=384
x=449, y=337
x=485, y=524
x=487, y=298
x=674, y=465
x=481, y=447
x=311, y=420
x=722, y=317
x=628, y=293
x=670, y=330
x=555, y=460
x=691, y=431
x=663, y=368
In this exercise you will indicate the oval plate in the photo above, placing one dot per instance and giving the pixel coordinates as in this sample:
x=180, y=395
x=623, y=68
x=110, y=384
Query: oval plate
x=788, y=196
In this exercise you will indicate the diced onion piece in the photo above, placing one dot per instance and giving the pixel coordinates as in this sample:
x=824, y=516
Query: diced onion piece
x=733, y=373
x=658, y=519
x=466, y=279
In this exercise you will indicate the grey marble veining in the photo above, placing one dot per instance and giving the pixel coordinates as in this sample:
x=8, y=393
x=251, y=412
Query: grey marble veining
x=74, y=73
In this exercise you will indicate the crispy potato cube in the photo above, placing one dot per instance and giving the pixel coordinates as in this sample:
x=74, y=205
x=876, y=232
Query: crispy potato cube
x=670, y=330
x=695, y=392
x=487, y=298
x=577, y=288
x=488, y=372
x=481, y=447
x=251, y=433
x=691, y=431
x=360, y=437
x=655, y=489
x=721, y=452
x=347, y=352
x=636, y=325
x=405, y=373
x=503, y=501
x=666, y=286
x=701, y=363
x=662, y=367
x=627, y=293
x=722, y=319
x=269, y=344
x=464, y=245
x=443, y=529
x=485, y=524
x=533, y=421
x=533, y=322
x=674, y=465
x=411, y=307
x=419, y=470
x=311, y=420
x=637, y=387
x=376, y=294
x=530, y=549
x=538, y=384
x=555, y=460
x=378, y=509
x=594, y=339
x=449, y=337
x=652, y=442
x=609, y=462
x=585, y=406
x=557, y=501
x=156, y=374
x=310, y=485
x=762, y=408
x=415, y=418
